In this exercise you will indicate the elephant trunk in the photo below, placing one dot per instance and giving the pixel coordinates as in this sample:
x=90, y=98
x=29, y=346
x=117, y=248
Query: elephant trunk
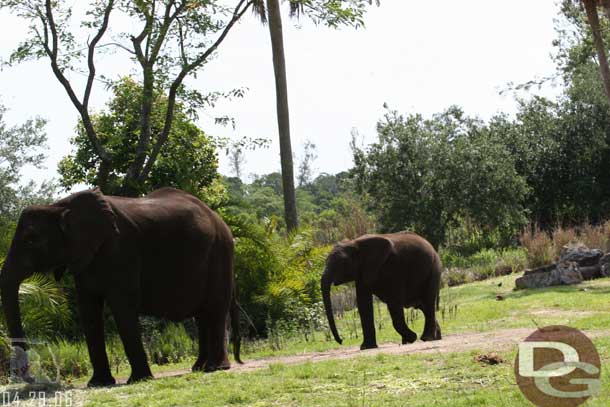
x=328, y=306
x=9, y=293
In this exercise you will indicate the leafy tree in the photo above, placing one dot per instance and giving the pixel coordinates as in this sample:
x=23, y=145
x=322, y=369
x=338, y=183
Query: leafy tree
x=306, y=165
x=237, y=160
x=20, y=146
x=593, y=18
x=427, y=174
x=188, y=161
x=175, y=40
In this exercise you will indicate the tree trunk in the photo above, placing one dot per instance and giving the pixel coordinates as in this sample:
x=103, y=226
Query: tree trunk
x=283, y=119
x=593, y=17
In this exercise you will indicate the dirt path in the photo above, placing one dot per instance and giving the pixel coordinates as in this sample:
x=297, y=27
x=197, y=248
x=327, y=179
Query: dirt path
x=493, y=341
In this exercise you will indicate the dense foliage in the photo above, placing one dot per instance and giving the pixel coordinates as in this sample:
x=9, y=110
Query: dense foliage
x=428, y=175
x=188, y=161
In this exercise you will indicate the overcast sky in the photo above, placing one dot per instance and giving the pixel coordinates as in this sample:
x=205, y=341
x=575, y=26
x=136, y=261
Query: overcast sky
x=416, y=56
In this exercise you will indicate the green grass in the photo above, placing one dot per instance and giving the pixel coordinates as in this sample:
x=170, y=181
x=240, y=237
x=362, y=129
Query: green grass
x=452, y=379
x=586, y=306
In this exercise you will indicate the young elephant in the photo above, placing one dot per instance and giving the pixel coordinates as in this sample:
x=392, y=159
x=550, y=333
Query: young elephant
x=166, y=255
x=401, y=269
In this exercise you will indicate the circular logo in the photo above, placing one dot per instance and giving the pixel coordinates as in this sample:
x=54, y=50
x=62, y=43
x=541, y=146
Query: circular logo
x=558, y=366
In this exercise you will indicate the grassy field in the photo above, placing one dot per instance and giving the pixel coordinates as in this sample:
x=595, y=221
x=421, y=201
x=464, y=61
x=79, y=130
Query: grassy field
x=448, y=379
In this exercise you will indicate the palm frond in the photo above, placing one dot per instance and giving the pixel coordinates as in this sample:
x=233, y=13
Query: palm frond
x=260, y=10
x=296, y=8
x=43, y=306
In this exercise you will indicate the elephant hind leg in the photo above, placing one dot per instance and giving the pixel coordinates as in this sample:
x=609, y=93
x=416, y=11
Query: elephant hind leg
x=217, y=356
x=203, y=345
x=398, y=320
x=432, y=330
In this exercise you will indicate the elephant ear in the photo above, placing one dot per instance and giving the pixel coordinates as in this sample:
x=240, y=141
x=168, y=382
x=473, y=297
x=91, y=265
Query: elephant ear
x=373, y=251
x=87, y=222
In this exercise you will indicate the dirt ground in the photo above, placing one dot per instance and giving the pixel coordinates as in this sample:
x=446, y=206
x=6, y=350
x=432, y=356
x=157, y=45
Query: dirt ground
x=495, y=341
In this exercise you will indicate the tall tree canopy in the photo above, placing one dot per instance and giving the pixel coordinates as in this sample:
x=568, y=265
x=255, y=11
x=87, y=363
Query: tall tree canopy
x=188, y=161
x=427, y=174
x=171, y=40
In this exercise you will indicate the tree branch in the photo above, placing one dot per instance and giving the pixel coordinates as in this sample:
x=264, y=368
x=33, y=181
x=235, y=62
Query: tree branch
x=92, y=45
x=171, y=100
x=53, y=52
x=168, y=19
x=137, y=41
x=119, y=45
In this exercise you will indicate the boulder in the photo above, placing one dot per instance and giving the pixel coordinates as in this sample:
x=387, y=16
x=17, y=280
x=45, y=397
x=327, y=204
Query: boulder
x=580, y=254
x=563, y=273
x=604, y=264
x=591, y=272
x=541, y=269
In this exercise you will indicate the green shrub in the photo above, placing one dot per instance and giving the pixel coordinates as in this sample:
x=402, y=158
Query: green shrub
x=482, y=265
x=172, y=344
x=73, y=358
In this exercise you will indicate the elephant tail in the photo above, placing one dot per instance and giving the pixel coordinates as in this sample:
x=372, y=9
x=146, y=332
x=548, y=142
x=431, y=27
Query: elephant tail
x=234, y=313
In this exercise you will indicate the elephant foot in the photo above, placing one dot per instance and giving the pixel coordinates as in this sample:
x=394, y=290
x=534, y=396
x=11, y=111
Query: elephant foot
x=409, y=338
x=198, y=366
x=212, y=368
x=366, y=346
x=101, y=381
x=429, y=338
x=135, y=378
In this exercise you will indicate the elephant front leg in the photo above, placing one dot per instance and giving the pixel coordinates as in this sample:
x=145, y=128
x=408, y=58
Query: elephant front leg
x=91, y=310
x=128, y=325
x=364, y=298
x=398, y=320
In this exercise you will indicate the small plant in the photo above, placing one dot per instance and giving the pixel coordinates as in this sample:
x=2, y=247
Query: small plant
x=116, y=353
x=171, y=344
x=563, y=236
x=595, y=237
x=72, y=357
x=539, y=246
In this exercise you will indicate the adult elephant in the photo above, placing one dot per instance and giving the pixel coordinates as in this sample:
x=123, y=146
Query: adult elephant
x=165, y=255
x=401, y=269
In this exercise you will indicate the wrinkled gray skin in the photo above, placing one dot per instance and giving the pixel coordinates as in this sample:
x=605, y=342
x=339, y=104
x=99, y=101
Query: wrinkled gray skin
x=401, y=269
x=166, y=255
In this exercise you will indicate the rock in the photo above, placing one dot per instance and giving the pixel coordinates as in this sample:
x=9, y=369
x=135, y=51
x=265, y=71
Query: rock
x=563, y=273
x=604, y=264
x=541, y=269
x=568, y=273
x=590, y=272
x=580, y=254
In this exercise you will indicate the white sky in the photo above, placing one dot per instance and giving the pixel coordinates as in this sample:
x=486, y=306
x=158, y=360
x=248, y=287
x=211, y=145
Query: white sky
x=418, y=56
